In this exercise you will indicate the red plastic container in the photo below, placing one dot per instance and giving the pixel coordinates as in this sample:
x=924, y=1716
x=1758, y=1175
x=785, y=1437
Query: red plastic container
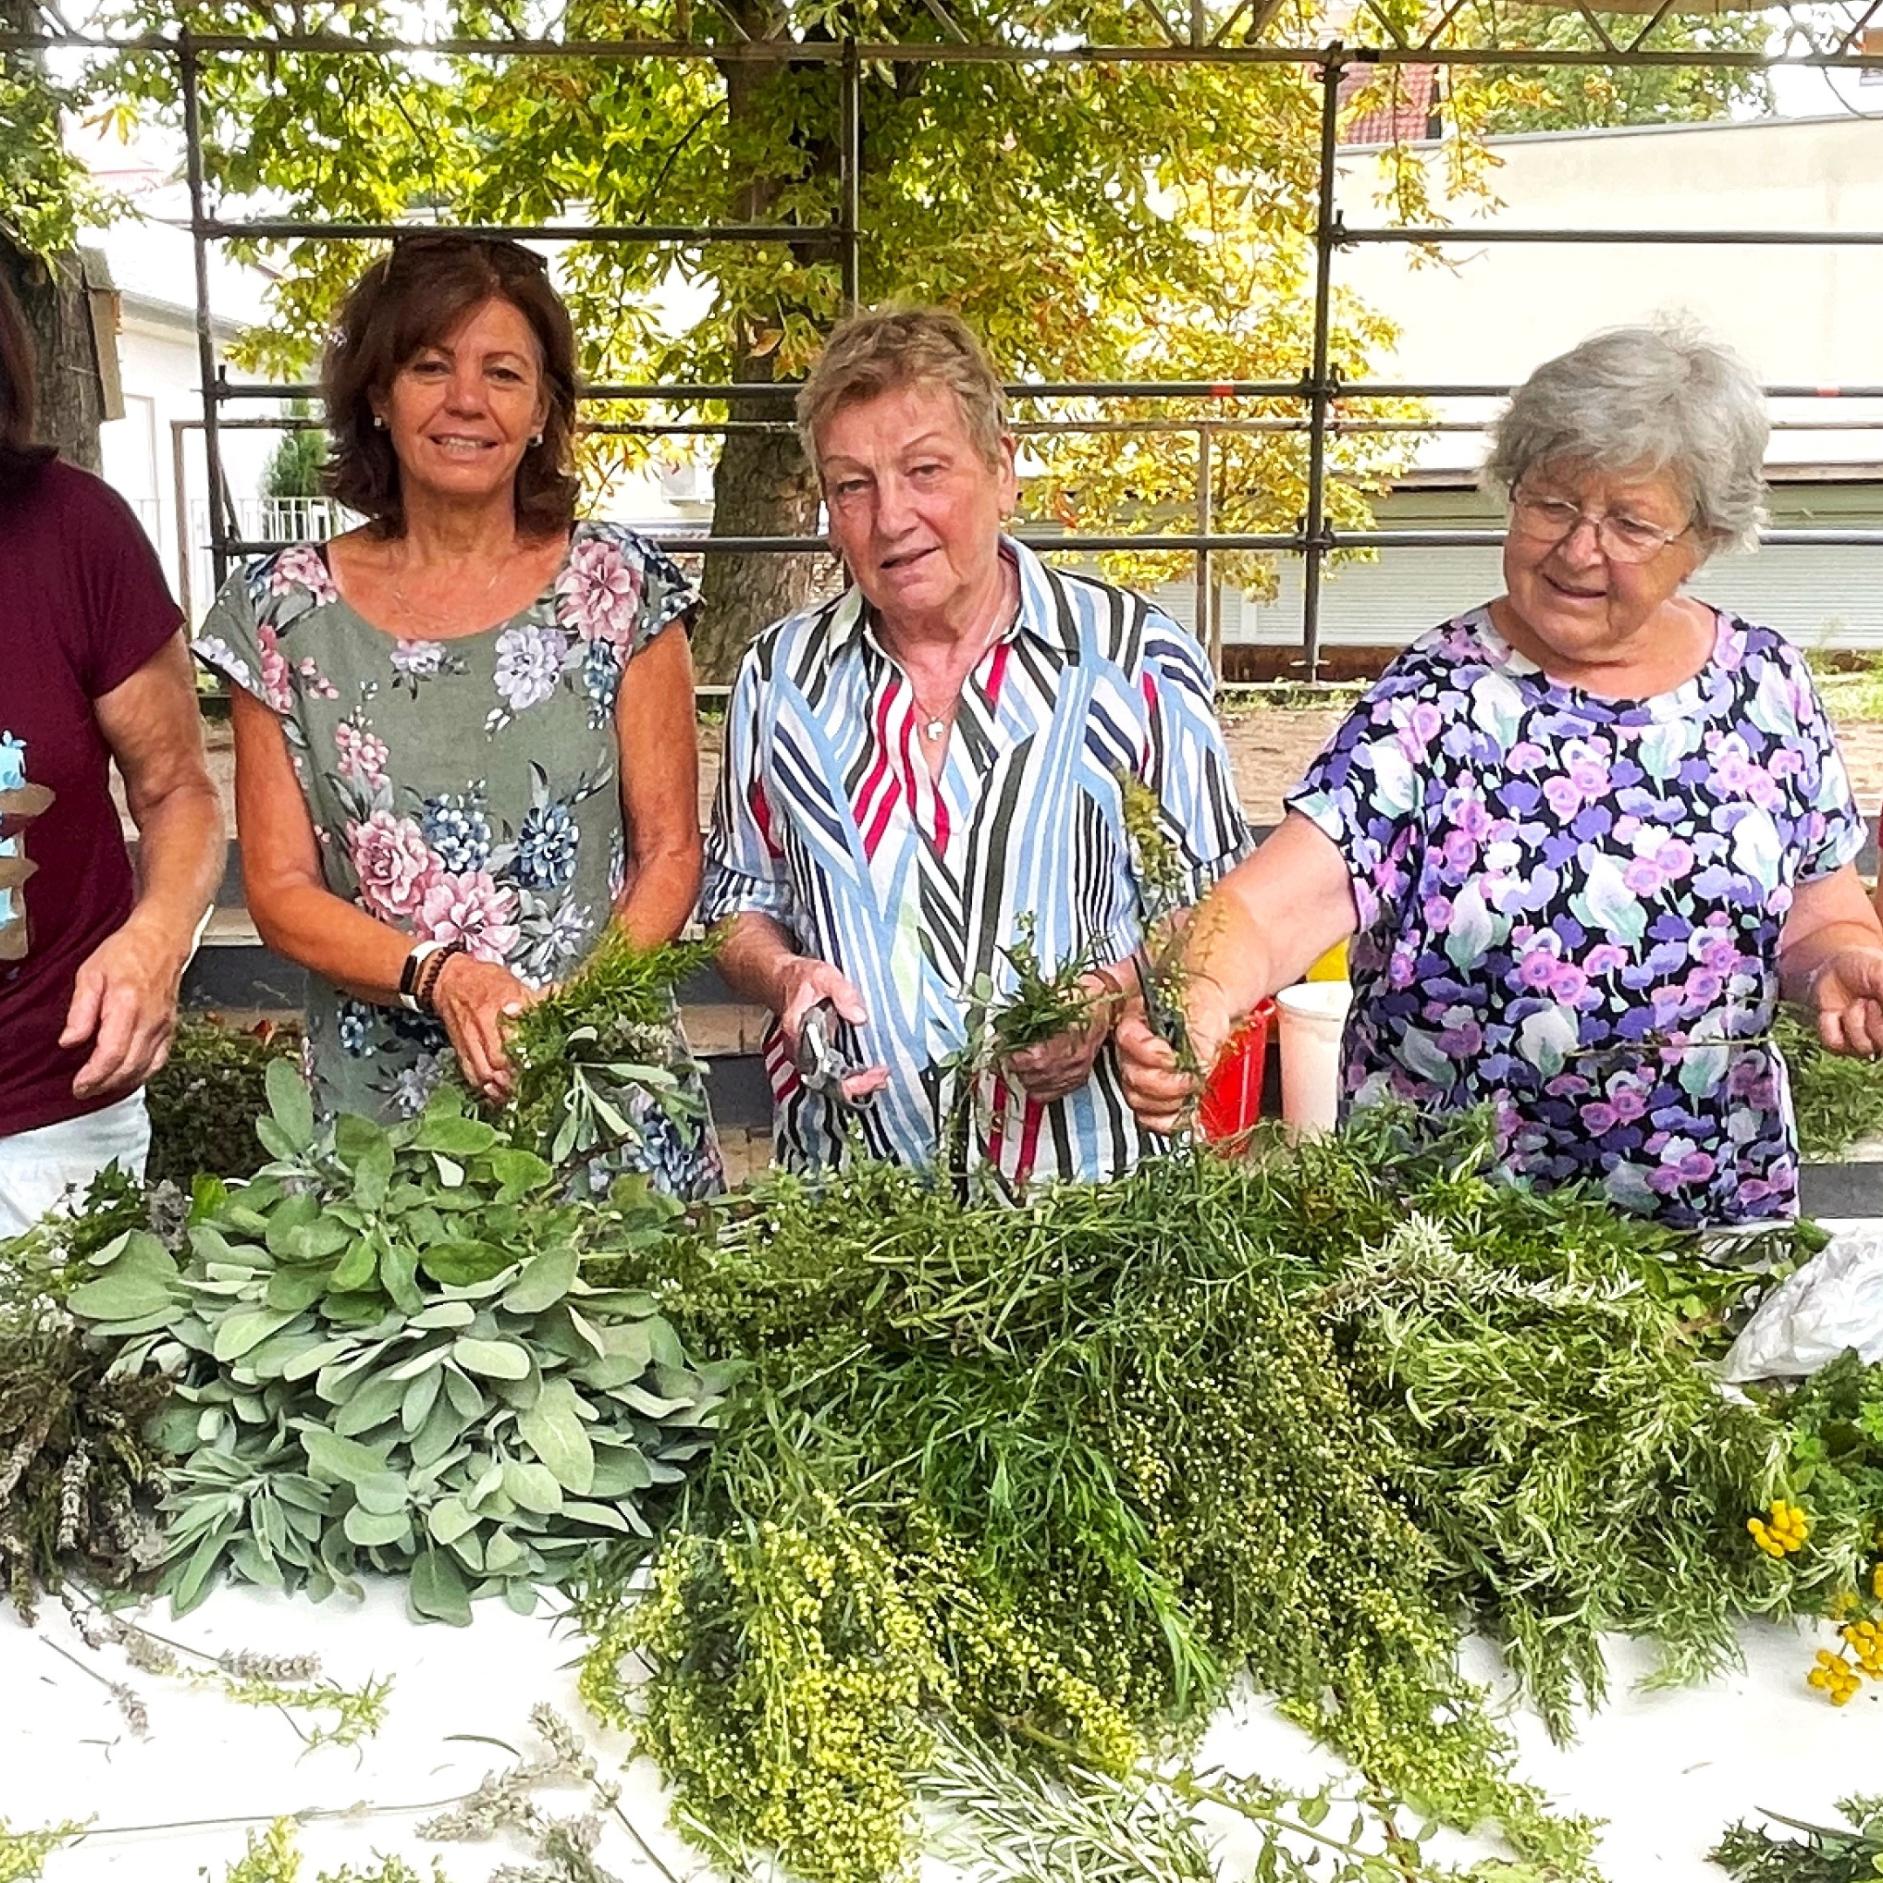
x=1232, y=1095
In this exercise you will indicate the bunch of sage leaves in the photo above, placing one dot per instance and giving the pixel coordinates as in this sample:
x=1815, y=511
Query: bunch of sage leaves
x=385, y=1355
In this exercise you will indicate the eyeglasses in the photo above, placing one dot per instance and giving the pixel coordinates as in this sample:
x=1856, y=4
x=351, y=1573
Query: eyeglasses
x=1621, y=538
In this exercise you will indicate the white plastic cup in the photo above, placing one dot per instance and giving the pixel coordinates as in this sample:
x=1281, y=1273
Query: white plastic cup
x=1313, y=1017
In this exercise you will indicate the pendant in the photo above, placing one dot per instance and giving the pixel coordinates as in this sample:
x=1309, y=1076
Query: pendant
x=934, y=729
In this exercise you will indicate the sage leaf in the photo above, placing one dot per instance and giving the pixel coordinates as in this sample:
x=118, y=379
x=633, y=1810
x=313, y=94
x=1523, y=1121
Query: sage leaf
x=448, y=1519
x=246, y=1328
x=357, y=1266
x=382, y=1492
x=464, y=1262
x=343, y=1459
x=546, y=1278
x=553, y=1430
x=436, y=1590
x=375, y=1530
x=420, y=1395
x=531, y=1487
x=456, y=1137
x=290, y=1103
x=498, y=1359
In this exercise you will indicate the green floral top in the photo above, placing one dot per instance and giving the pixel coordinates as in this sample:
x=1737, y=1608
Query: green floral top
x=465, y=789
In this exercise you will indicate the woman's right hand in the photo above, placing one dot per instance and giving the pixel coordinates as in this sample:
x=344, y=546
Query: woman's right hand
x=802, y=983
x=473, y=999
x=1157, y=1089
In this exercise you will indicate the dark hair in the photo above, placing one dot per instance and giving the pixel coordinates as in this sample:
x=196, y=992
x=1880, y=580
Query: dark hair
x=410, y=300
x=20, y=455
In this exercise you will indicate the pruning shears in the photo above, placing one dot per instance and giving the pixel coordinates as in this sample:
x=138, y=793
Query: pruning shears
x=820, y=1063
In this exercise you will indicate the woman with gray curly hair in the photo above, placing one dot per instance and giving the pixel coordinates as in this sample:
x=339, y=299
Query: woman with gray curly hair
x=1584, y=837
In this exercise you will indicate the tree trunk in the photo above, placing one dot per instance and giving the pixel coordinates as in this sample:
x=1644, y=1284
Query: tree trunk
x=58, y=313
x=762, y=485
x=51, y=294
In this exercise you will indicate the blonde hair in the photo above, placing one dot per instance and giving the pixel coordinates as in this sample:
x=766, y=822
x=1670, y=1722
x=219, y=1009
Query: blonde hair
x=885, y=349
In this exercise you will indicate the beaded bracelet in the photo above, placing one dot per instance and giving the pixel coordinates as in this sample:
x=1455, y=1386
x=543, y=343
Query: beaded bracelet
x=429, y=971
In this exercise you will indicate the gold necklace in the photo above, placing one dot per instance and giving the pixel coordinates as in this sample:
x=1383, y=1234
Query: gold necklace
x=935, y=724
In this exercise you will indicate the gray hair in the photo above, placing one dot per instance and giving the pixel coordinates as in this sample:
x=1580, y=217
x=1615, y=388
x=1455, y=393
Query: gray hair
x=883, y=350
x=1660, y=400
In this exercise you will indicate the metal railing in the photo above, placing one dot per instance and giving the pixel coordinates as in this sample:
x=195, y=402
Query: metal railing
x=1323, y=399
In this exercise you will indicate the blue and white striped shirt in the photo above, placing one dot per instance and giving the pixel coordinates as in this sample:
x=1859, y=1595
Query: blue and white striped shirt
x=829, y=821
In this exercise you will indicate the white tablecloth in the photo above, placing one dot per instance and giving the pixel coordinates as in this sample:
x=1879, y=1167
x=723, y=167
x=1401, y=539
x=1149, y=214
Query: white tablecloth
x=1667, y=1770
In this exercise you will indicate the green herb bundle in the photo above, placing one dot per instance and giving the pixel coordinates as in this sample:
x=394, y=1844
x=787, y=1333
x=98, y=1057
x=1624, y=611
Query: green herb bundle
x=1838, y=1100
x=1050, y=1478
x=1163, y=880
x=386, y=1356
x=593, y=1058
x=205, y=1100
x=1041, y=1004
x=1852, y=1853
x=77, y=1472
x=1542, y=1421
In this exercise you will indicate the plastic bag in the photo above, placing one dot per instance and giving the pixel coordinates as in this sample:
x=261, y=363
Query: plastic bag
x=1833, y=1303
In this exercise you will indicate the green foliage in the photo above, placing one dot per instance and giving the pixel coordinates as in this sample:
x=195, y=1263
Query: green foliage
x=1561, y=1499
x=1838, y=1099
x=1158, y=861
x=75, y=1466
x=1832, y=1425
x=23, y=1854
x=1562, y=98
x=594, y=1058
x=1042, y=1003
x=204, y=1103
x=1047, y=1479
x=1848, y=1853
x=272, y=1856
x=386, y=1355
x=45, y=194
x=295, y=465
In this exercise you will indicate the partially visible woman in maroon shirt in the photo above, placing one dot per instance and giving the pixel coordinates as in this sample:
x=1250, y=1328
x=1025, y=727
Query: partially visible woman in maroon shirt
x=92, y=671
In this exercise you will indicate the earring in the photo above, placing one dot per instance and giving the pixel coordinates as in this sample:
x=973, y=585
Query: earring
x=536, y=438
x=379, y=421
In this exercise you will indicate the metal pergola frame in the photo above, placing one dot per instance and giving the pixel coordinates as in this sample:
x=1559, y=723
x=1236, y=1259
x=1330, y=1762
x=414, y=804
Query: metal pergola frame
x=1316, y=391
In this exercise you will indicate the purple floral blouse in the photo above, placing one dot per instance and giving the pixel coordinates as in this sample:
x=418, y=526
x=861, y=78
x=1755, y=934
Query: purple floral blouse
x=1570, y=908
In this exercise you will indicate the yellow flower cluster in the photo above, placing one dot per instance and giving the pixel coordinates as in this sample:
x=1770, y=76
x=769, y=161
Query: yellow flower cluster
x=1834, y=1676
x=1782, y=1531
x=1865, y=1640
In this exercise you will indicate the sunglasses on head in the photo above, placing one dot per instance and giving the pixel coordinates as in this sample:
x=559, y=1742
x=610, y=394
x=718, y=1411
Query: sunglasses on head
x=499, y=251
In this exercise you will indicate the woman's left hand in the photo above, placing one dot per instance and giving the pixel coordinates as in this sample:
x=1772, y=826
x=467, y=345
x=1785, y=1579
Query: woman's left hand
x=1057, y=1067
x=1847, y=991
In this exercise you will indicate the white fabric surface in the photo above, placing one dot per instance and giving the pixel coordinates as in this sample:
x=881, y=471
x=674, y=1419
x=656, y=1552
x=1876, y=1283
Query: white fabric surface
x=1668, y=1770
x=38, y=1168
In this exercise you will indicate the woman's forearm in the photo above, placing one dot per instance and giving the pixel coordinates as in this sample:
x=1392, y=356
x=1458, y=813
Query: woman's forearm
x=660, y=896
x=333, y=938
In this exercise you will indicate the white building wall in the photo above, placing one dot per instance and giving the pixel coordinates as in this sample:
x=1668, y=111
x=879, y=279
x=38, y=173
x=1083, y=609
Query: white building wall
x=162, y=389
x=1494, y=311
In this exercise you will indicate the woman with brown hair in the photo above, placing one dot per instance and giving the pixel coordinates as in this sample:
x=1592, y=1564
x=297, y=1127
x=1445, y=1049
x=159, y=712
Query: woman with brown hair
x=463, y=732
x=91, y=952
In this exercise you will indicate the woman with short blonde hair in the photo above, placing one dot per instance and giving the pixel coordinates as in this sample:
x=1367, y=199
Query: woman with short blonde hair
x=929, y=770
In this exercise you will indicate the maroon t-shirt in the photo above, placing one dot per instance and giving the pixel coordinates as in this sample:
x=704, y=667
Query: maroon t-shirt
x=83, y=605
